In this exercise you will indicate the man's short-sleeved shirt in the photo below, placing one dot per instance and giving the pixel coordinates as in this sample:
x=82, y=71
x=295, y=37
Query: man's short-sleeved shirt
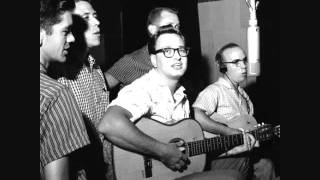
x=149, y=97
x=131, y=66
x=62, y=129
x=221, y=98
x=90, y=90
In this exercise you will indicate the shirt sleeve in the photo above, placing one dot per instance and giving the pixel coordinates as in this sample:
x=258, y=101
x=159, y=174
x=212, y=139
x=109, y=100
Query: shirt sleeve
x=123, y=69
x=136, y=100
x=131, y=66
x=207, y=100
x=62, y=128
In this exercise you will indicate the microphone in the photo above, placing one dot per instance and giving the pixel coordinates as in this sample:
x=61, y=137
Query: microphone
x=253, y=41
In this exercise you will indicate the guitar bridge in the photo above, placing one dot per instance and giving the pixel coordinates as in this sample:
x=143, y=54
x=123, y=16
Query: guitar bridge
x=147, y=166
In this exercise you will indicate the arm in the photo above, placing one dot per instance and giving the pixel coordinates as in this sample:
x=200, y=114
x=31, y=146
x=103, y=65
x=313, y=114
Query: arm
x=111, y=81
x=211, y=125
x=116, y=125
x=57, y=170
x=215, y=127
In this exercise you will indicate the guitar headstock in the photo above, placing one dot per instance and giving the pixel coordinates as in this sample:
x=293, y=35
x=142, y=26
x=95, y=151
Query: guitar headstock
x=277, y=131
x=266, y=131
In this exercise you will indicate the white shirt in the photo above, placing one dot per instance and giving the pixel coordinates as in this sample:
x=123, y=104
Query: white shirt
x=148, y=96
x=221, y=98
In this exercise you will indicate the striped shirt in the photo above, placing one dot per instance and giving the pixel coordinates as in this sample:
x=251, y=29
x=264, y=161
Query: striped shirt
x=90, y=90
x=62, y=129
x=149, y=96
x=221, y=98
x=131, y=66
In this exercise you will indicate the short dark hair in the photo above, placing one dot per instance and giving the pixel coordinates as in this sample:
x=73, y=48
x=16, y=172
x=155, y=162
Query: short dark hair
x=219, y=56
x=155, y=14
x=168, y=29
x=51, y=10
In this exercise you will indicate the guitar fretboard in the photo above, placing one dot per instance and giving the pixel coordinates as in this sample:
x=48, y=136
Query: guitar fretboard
x=225, y=142
x=214, y=144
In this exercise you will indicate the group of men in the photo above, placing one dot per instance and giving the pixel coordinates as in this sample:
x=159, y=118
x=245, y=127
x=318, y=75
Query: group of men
x=78, y=123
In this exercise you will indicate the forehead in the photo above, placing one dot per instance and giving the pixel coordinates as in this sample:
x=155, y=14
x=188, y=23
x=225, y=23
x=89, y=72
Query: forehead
x=167, y=18
x=83, y=7
x=169, y=40
x=233, y=53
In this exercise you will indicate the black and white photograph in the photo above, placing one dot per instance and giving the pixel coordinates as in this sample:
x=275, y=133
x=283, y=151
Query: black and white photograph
x=159, y=90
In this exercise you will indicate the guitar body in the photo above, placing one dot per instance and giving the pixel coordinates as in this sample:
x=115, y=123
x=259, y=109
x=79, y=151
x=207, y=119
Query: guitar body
x=131, y=166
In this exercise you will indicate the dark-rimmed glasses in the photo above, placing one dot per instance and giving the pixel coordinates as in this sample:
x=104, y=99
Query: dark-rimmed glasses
x=237, y=61
x=169, y=52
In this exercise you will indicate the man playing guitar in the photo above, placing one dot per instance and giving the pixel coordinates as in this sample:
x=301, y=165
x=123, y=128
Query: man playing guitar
x=159, y=96
x=221, y=106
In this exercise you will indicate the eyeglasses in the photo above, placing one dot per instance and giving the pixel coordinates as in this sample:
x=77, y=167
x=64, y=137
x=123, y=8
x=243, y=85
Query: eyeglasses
x=237, y=61
x=169, y=52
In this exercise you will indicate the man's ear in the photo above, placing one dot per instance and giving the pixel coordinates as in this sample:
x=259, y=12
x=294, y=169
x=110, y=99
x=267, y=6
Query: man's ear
x=153, y=60
x=152, y=29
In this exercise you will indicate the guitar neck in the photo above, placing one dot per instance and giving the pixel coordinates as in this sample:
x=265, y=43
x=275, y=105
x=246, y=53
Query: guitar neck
x=214, y=144
x=221, y=143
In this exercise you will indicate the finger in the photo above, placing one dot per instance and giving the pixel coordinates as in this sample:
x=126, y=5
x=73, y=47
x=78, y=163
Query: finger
x=187, y=161
x=182, y=165
x=245, y=139
x=184, y=157
x=179, y=143
x=252, y=140
x=173, y=168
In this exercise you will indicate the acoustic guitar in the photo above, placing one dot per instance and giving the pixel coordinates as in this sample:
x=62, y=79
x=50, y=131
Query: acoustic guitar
x=132, y=166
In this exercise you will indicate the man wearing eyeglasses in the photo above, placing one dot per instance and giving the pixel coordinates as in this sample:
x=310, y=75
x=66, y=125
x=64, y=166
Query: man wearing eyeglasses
x=219, y=103
x=159, y=96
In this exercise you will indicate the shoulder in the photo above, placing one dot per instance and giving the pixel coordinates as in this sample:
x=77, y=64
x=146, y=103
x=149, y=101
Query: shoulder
x=49, y=87
x=214, y=87
x=51, y=91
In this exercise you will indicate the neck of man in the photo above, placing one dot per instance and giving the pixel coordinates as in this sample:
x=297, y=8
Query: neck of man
x=233, y=83
x=173, y=85
x=44, y=63
x=171, y=82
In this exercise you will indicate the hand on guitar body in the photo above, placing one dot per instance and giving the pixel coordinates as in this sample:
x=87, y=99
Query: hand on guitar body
x=123, y=133
x=173, y=157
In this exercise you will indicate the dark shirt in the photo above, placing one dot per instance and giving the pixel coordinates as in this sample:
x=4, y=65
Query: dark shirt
x=132, y=66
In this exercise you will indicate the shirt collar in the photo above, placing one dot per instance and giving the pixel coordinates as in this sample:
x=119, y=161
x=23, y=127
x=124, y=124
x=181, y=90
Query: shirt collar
x=178, y=94
x=42, y=68
x=91, y=61
x=222, y=81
